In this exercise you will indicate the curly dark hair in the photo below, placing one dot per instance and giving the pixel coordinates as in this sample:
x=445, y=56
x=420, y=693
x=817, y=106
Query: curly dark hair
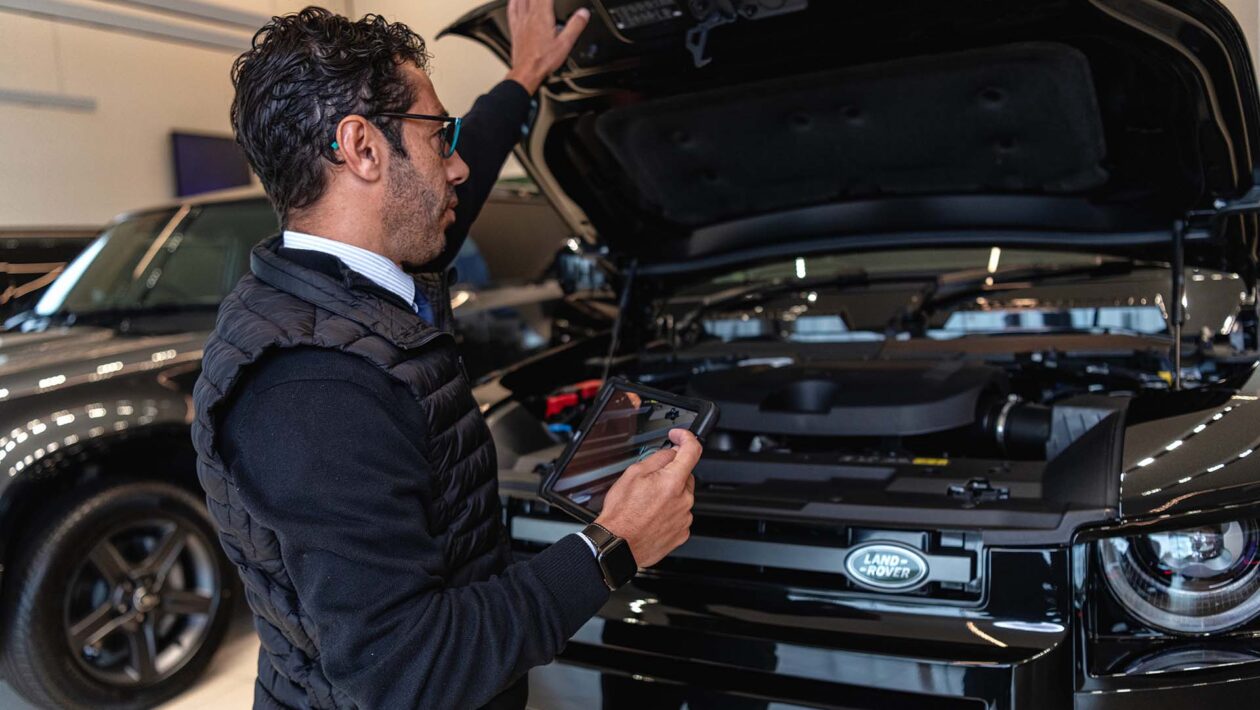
x=305, y=72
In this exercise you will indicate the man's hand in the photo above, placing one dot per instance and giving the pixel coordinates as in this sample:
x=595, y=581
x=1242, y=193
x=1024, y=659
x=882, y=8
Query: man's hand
x=537, y=49
x=650, y=505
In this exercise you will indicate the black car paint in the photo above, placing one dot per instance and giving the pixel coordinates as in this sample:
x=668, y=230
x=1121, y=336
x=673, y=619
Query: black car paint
x=1194, y=457
x=724, y=635
x=1196, y=43
x=74, y=396
x=748, y=632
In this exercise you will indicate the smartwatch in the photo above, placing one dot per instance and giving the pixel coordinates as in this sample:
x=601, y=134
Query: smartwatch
x=616, y=562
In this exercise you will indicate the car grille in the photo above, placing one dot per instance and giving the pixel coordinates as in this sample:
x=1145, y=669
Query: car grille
x=797, y=555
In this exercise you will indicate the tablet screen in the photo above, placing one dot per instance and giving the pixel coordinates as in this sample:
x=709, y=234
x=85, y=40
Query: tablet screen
x=628, y=429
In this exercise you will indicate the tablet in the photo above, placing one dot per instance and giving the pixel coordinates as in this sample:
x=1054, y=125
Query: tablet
x=626, y=424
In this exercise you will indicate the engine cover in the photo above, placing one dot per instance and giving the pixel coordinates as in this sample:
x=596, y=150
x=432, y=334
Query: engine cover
x=851, y=399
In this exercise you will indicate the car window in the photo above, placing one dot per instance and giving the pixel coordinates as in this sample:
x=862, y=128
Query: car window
x=141, y=262
x=92, y=280
x=204, y=259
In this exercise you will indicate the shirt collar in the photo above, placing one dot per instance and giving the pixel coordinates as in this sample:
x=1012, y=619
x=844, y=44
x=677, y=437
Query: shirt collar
x=372, y=266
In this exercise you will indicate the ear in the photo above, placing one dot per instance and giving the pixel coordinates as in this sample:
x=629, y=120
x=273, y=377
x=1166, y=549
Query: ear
x=361, y=148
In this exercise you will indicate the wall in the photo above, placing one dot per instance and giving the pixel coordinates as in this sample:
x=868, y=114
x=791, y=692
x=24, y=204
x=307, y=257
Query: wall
x=136, y=75
x=91, y=89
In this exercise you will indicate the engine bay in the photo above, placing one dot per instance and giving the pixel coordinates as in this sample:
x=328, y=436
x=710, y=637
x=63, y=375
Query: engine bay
x=871, y=394
x=1019, y=440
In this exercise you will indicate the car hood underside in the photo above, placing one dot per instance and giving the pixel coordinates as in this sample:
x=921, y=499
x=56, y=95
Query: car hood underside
x=1096, y=122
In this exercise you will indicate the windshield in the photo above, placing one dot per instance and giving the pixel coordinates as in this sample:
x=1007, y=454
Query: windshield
x=145, y=261
x=932, y=293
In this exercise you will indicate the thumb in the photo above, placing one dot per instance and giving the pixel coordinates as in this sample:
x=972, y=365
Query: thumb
x=657, y=461
x=687, y=455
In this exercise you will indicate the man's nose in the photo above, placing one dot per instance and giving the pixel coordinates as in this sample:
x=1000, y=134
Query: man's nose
x=456, y=169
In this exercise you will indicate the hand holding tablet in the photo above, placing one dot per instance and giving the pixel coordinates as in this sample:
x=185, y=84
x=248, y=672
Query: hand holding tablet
x=650, y=504
x=629, y=466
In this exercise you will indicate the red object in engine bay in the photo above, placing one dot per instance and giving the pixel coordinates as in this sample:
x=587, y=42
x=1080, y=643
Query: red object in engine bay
x=572, y=396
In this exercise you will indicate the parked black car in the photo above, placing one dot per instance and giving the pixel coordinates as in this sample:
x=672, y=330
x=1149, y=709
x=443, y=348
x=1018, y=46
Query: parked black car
x=974, y=285
x=29, y=261
x=115, y=591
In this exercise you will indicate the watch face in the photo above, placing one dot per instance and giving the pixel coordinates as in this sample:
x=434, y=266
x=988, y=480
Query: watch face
x=618, y=564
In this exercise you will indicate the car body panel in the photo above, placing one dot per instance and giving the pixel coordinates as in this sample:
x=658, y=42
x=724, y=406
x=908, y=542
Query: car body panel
x=1193, y=44
x=809, y=647
x=38, y=363
x=79, y=390
x=1197, y=460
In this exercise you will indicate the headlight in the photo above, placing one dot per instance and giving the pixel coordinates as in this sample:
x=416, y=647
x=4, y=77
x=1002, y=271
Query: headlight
x=1193, y=581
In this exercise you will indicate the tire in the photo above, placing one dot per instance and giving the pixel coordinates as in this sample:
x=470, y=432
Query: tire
x=118, y=598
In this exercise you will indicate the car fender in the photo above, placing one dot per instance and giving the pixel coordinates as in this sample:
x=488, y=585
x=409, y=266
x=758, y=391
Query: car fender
x=47, y=436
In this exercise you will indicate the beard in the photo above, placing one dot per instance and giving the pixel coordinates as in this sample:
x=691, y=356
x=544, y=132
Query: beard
x=413, y=215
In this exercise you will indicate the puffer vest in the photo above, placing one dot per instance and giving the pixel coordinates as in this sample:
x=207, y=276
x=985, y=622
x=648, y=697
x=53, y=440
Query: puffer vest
x=281, y=304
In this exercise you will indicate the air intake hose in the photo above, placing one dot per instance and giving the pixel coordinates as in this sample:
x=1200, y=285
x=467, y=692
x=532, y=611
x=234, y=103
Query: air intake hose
x=1018, y=428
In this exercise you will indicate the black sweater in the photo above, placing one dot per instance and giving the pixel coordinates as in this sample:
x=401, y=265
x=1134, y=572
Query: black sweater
x=327, y=453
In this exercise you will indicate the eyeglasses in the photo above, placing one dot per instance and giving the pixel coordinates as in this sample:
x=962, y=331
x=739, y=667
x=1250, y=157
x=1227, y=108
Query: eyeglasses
x=450, y=128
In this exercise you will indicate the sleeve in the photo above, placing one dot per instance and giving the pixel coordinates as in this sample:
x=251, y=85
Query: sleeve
x=333, y=474
x=491, y=128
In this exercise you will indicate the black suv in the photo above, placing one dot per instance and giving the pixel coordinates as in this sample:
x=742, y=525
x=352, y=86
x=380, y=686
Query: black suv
x=974, y=285
x=115, y=591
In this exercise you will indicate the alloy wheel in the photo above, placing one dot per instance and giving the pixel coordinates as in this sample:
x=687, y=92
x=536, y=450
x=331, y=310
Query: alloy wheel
x=139, y=604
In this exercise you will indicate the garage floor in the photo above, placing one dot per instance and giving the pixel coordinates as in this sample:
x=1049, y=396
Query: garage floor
x=228, y=682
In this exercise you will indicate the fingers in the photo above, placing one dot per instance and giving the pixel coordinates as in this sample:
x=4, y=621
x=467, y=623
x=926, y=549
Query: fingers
x=568, y=36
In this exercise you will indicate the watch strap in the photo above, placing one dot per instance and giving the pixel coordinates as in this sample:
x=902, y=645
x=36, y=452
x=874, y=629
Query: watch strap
x=616, y=562
x=599, y=535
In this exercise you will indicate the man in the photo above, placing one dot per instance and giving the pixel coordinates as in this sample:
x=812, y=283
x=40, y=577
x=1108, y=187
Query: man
x=345, y=461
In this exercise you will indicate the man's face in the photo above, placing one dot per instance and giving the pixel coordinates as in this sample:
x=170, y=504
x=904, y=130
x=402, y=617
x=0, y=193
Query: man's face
x=420, y=186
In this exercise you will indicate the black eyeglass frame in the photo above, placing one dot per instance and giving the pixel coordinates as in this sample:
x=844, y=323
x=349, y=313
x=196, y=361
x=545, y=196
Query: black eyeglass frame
x=450, y=129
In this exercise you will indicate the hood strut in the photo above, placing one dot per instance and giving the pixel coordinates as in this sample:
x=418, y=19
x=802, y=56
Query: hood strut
x=622, y=305
x=1177, y=311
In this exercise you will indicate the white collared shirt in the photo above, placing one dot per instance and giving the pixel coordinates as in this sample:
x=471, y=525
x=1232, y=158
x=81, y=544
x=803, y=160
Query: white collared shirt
x=376, y=268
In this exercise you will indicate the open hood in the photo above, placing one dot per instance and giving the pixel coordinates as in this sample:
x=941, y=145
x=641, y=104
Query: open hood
x=685, y=132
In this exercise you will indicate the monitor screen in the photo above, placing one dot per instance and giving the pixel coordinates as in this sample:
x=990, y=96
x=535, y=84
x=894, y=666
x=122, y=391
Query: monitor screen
x=204, y=163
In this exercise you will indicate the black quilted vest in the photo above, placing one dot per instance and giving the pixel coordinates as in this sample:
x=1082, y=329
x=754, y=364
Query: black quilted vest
x=283, y=305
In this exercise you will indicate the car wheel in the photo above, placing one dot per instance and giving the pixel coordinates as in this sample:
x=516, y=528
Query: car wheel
x=118, y=599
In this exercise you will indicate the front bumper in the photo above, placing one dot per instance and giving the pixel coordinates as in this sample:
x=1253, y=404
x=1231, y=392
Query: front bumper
x=788, y=675
x=680, y=636
x=593, y=674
